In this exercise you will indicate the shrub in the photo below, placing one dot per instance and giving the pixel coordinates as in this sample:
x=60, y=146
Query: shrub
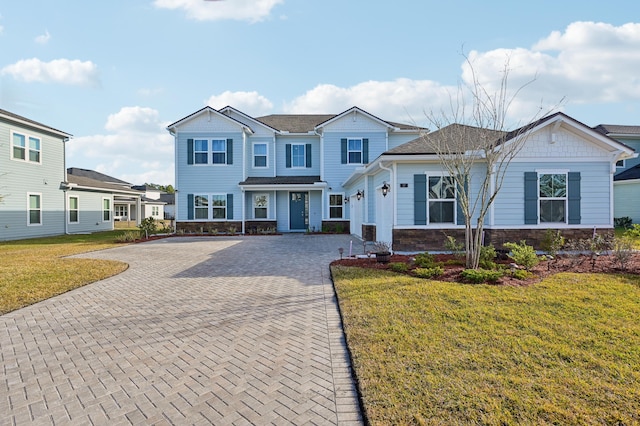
x=521, y=274
x=552, y=242
x=634, y=231
x=456, y=248
x=339, y=228
x=522, y=254
x=477, y=276
x=398, y=267
x=127, y=237
x=433, y=272
x=425, y=260
x=622, y=222
x=622, y=252
x=487, y=255
x=148, y=226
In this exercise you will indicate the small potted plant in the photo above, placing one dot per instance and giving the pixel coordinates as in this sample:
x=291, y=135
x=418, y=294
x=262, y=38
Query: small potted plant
x=382, y=249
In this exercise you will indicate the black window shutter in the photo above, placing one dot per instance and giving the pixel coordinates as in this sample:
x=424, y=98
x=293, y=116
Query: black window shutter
x=189, y=151
x=190, y=206
x=531, y=198
x=343, y=151
x=365, y=151
x=420, y=199
x=229, y=206
x=460, y=219
x=287, y=149
x=307, y=153
x=574, y=198
x=229, y=151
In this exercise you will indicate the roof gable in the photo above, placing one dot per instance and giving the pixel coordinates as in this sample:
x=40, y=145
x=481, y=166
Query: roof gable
x=15, y=118
x=206, y=115
x=352, y=114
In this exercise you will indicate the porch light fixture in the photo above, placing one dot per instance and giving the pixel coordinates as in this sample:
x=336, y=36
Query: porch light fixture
x=346, y=200
x=360, y=194
x=385, y=189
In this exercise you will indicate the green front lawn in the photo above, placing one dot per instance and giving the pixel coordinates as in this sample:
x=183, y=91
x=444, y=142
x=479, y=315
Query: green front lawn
x=33, y=270
x=563, y=351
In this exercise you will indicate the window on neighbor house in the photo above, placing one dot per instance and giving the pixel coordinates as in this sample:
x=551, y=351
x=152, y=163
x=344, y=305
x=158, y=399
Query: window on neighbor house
x=219, y=151
x=74, y=210
x=155, y=211
x=200, y=151
x=298, y=155
x=259, y=155
x=553, y=197
x=25, y=148
x=201, y=207
x=260, y=206
x=441, y=194
x=219, y=206
x=620, y=164
x=35, y=209
x=120, y=212
x=335, y=206
x=354, y=151
x=106, y=210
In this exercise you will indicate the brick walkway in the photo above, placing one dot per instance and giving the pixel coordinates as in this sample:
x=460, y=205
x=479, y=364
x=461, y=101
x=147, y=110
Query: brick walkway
x=200, y=331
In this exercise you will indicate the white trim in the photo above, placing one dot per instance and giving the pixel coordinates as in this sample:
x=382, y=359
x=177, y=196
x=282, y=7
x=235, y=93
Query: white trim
x=253, y=155
x=102, y=210
x=342, y=194
x=565, y=198
x=69, y=197
x=253, y=205
x=361, y=151
x=27, y=149
x=454, y=200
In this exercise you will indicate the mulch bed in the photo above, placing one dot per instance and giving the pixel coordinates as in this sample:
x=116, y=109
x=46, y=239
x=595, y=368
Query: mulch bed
x=563, y=263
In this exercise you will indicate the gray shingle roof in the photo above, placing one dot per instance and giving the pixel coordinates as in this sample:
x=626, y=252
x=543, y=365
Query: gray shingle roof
x=294, y=123
x=607, y=129
x=282, y=180
x=457, y=137
x=11, y=115
x=98, y=184
x=92, y=174
x=629, y=174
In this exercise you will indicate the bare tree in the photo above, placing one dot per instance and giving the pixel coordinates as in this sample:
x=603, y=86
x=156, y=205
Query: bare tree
x=473, y=145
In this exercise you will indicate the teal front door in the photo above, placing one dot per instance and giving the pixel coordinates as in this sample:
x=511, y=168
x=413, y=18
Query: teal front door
x=298, y=211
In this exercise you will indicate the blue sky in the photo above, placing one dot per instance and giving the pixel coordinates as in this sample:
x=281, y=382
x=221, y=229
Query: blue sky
x=115, y=73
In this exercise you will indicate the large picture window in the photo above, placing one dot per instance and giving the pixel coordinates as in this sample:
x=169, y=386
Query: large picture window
x=442, y=198
x=336, y=206
x=35, y=209
x=260, y=206
x=553, y=197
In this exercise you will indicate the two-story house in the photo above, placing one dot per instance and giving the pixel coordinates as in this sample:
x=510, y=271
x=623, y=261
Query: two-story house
x=32, y=165
x=278, y=172
x=626, y=181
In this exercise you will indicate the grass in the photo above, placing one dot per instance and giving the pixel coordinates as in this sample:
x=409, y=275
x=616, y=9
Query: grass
x=564, y=351
x=33, y=270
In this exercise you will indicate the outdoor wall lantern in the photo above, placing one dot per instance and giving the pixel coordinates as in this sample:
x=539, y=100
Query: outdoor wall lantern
x=385, y=189
x=346, y=200
x=360, y=194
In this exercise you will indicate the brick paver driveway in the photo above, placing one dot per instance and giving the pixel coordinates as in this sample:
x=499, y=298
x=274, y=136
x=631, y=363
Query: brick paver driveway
x=197, y=331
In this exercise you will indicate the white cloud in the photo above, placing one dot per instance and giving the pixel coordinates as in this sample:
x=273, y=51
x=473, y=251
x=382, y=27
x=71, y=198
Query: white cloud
x=44, y=38
x=64, y=71
x=138, y=148
x=216, y=10
x=251, y=103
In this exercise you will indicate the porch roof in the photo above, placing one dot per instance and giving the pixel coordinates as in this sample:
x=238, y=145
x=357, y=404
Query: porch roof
x=283, y=182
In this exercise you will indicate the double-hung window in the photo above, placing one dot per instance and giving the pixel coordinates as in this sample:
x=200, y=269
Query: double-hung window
x=335, y=206
x=35, y=209
x=553, y=197
x=106, y=209
x=74, y=210
x=298, y=155
x=260, y=155
x=219, y=151
x=219, y=206
x=442, y=199
x=260, y=206
x=201, y=206
x=201, y=151
x=155, y=211
x=354, y=151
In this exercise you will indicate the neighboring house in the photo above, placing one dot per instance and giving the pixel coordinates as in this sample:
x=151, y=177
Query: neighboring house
x=32, y=165
x=626, y=181
x=561, y=179
x=169, y=201
x=126, y=201
x=152, y=205
x=281, y=172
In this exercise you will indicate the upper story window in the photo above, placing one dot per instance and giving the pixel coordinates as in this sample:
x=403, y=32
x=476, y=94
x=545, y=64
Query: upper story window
x=297, y=155
x=553, y=197
x=209, y=151
x=25, y=148
x=260, y=155
x=354, y=150
x=441, y=193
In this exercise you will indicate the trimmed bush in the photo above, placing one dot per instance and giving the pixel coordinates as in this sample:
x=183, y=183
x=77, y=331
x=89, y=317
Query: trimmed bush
x=127, y=237
x=522, y=254
x=477, y=276
x=487, y=256
x=398, y=267
x=425, y=260
x=433, y=272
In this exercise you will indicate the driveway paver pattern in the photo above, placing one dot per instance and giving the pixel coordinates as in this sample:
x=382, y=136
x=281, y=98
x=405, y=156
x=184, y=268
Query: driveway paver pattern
x=198, y=330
